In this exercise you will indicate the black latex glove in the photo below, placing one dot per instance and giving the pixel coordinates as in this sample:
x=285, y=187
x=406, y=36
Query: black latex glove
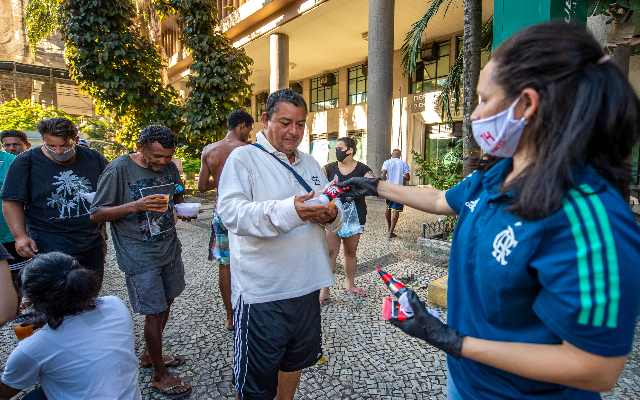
x=359, y=187
x=429, y=328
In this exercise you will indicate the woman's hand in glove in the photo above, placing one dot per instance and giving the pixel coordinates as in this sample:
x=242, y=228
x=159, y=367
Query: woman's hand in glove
x=359, y=187
x=429, y=328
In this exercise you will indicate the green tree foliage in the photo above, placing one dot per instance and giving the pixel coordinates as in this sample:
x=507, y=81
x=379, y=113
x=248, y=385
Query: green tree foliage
x=219, y=72
x=117, y=67
x=440, y=173
x=121, y=70
x=26, y=115
x=101, y=131
x=41, y=22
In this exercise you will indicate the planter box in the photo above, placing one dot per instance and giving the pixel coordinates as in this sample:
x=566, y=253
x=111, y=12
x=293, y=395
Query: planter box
x=438, y=291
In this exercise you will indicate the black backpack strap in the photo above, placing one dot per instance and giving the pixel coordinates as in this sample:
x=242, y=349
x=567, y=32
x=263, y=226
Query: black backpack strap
x=298, y=177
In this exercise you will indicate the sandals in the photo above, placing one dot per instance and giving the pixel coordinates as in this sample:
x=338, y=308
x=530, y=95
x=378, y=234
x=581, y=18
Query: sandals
x=170, y=388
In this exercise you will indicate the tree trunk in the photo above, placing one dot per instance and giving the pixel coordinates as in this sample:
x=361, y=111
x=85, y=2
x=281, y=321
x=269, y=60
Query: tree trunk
x=600, y=29
x=471, y=58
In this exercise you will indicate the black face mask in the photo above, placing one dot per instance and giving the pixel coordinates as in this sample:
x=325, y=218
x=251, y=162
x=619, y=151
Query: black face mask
x=341, y=154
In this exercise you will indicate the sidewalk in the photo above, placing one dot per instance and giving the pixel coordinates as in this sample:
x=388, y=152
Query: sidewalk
x=367, y=358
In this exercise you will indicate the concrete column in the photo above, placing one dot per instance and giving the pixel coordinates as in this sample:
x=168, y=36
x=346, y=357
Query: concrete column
x=380, y=81
x=279, y=61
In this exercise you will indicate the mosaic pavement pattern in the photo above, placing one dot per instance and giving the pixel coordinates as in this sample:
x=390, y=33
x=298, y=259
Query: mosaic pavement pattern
x=367, y=358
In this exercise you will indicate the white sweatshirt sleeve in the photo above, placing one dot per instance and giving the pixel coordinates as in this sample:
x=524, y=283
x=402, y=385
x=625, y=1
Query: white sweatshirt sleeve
x=242, y=215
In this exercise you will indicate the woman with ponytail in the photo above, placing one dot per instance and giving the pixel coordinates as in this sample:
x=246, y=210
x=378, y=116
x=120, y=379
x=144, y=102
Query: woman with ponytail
x=85, y=349
x=543, y=275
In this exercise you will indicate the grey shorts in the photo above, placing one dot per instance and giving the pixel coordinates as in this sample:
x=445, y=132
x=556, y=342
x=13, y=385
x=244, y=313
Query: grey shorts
x=149, y=291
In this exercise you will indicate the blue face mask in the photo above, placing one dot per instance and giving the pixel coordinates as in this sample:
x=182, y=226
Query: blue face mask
x=500, y=134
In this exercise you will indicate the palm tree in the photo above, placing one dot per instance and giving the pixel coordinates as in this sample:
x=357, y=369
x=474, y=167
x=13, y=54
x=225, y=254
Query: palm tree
x=471, y=74
x=473, y=31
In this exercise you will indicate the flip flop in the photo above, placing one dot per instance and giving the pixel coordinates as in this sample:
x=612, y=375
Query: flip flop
x=323, y=301
x=169, y=363
x=175, y=395
x=359, y=292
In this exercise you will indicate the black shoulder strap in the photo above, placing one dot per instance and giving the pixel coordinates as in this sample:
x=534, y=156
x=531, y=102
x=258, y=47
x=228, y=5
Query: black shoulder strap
x=298, y=177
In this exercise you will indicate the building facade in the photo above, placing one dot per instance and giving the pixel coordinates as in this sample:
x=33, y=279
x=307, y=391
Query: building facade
x=44, y=78
x=321, y=49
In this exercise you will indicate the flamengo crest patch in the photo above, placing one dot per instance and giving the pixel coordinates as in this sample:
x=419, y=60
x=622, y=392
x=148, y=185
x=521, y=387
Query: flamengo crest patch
x=502, y=245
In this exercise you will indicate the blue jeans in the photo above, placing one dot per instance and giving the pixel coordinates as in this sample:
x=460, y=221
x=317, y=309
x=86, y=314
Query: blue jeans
x=452, y=391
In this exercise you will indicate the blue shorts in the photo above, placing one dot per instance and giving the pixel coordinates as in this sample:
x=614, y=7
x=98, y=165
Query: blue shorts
x=392, y=205
x=283, y=335
x=219, y=242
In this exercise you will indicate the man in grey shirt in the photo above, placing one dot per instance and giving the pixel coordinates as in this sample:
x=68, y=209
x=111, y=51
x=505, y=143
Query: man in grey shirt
x=137, y=193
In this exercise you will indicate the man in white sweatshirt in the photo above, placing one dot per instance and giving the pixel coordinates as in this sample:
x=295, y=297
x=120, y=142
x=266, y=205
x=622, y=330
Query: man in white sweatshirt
x=279, y=257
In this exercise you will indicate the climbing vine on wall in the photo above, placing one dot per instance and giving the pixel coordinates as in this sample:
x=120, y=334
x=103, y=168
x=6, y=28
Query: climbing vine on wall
x=219, y=72
x=41, y=22
x=120, y=69
x=117, y=67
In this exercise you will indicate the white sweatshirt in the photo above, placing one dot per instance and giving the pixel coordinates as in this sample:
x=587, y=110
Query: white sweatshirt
x=274, y=255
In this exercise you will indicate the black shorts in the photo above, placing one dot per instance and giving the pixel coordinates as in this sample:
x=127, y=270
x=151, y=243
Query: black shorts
x=18, y=261
x=283, y=335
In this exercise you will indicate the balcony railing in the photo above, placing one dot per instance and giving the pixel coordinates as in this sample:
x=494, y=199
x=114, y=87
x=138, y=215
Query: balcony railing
x=224, y=12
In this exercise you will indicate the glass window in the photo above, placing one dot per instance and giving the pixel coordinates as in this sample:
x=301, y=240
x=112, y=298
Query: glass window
x=324, y=97
x=484, y=55
x=261, y=106
x=357, y=85
x=430, y=75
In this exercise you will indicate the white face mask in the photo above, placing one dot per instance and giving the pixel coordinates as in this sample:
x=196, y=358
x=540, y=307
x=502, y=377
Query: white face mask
x=62, y=157
x=500, y=134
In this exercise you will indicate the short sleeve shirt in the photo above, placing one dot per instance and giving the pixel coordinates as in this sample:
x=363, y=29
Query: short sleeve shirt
x=571, y=276
x=142, y=240
x=396, y=168
x=56, y=212
x=5, y=161
x=89, y=356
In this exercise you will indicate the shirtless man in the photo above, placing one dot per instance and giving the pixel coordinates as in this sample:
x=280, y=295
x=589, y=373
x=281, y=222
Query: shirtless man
x=214, y=155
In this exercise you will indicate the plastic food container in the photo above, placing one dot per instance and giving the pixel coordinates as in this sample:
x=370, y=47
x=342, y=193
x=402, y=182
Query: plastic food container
x=89, y=196
x=188, y=209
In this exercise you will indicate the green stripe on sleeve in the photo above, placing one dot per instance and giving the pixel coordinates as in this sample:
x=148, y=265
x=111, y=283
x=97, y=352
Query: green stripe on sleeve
x=611, y=256
x=597, y=260
x=583, y=265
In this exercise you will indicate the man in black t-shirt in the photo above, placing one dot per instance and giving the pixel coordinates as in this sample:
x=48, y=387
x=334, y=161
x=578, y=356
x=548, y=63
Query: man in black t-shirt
x=43, y=198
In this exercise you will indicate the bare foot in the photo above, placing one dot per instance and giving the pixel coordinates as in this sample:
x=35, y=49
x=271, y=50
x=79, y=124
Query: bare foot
x=169, y=361
x=169, y=380
x=229, y=323
x=356, y=290
x=324, y=295
x=392, y=235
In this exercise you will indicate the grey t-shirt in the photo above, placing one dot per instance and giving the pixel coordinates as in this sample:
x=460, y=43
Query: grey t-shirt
x=142, y=240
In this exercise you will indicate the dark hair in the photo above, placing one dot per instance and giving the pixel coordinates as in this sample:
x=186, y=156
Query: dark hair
x=350, y=143
x=237, y=117
x=14, y=133
x=59, y=127
x=160, y=134
x=58, y=286
x=587, y=113
x=284, y=95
